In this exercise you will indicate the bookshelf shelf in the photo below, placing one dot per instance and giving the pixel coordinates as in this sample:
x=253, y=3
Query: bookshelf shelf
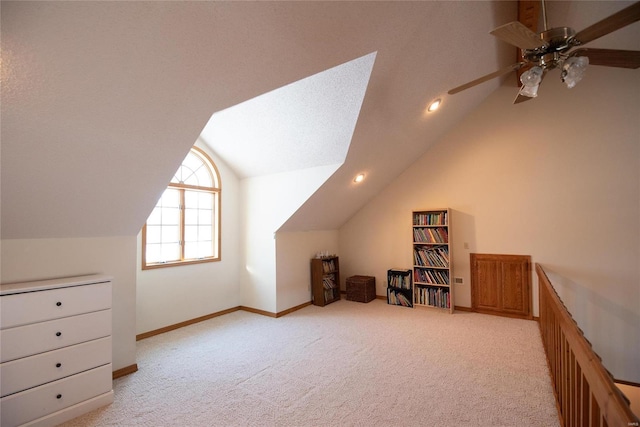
x=399, y=287
x=432, y=259
x=325, y=280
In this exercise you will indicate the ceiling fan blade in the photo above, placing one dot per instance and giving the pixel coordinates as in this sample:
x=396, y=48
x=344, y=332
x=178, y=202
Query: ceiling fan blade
x=610, y=57
x=519, y=35
x=488, y=77
x=608, y=25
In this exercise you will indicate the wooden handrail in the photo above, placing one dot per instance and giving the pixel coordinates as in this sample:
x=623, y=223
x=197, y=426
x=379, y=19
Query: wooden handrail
x=584, y=389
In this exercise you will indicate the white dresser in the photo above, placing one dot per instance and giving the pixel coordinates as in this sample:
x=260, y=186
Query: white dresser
x=55, y=349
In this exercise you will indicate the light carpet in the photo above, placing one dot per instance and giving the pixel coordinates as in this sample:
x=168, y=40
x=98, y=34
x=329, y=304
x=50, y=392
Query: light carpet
x=346, y=364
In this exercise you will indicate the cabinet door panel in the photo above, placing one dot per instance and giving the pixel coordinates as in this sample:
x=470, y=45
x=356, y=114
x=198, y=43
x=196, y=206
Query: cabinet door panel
x=487, y=294
x=513, y=287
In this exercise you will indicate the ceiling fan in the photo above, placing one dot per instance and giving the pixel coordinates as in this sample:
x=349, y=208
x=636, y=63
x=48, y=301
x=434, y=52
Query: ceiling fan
x=551, y=49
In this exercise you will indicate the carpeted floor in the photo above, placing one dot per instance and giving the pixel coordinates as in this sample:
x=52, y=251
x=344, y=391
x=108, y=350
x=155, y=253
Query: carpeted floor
x=346, y=364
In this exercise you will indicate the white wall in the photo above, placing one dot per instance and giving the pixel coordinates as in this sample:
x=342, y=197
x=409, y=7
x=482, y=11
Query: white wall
x=37, y=259
x=167, y=296
x=267, y=202
x=556, y=178
x=294, y=251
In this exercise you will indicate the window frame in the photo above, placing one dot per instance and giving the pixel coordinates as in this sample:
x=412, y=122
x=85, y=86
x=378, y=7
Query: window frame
x=216, y=240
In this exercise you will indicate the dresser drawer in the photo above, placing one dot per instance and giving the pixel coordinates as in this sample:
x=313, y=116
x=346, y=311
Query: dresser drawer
x=28, y=372
x=40, y=337
x=34, y=403
x=31, y=307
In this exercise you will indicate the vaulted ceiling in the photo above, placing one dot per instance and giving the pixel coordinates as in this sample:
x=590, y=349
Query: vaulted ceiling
x=102, y=100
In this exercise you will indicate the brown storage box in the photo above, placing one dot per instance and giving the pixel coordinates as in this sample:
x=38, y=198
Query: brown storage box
x=361, y=288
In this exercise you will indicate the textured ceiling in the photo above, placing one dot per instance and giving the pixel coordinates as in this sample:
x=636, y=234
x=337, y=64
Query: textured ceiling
x=302, y=125
x=102, y=100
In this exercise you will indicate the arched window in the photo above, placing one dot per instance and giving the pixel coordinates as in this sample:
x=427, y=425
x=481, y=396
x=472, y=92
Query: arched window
x=184, y=227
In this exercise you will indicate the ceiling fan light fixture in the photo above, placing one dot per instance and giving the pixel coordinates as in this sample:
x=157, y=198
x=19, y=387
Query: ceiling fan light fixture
x=531, y=80
x=530, y=91
x=532, y=77
x=573, y=70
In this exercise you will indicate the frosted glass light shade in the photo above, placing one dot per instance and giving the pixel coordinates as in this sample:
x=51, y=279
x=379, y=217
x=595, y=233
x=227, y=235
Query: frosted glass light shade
x=573, y=70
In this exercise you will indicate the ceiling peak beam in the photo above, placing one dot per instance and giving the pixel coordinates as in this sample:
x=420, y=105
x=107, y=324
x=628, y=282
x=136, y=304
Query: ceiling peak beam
x=528, y=15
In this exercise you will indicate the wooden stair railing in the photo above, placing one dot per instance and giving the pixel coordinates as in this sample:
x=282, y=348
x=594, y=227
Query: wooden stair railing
x=585, y=392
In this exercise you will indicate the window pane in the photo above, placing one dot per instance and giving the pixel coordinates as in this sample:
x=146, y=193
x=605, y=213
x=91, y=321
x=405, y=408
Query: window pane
x=153, y=234
x=192, y=161
x=157, y=253
x=205, y=200
x=153, y=253
x=191, y=233
x=205, y=217
x=186, y=174
x=191, y=216
x=170, y=197
x=191, y=250
x=204, y=233
x=170, y=216
x=205, y=249
x=171, y=234
x=191, y=199
x=189, y=177
x=170, y=252
x=197, y=250
x=198, y=199
x=156, y=217
x=203, y=177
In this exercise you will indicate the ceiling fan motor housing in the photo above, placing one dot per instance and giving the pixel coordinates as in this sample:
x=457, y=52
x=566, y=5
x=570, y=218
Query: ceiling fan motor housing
x=554, y=43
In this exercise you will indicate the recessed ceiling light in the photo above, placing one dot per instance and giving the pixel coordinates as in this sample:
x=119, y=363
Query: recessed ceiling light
x=358, y=177
x=434, y=105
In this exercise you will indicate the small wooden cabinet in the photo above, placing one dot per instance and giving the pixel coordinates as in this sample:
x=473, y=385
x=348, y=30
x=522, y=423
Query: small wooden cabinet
x=325, y=280
x=501, y=285
x=56, y=349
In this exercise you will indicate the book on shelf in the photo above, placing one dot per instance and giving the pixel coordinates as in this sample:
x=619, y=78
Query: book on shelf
x=398, y=298
x=399, y=281
x=434, y=277
x=430, y=235
x=329, y=294
x=328, y=265
x=329, y=282
x=431, y=256
x=430, y=218
x=433, y=296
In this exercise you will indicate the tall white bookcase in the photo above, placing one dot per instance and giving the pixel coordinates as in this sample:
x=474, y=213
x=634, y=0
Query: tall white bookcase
x=432, y=259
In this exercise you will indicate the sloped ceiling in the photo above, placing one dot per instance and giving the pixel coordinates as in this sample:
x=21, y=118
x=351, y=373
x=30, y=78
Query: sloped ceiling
x=102, y=100
x=306, y=124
